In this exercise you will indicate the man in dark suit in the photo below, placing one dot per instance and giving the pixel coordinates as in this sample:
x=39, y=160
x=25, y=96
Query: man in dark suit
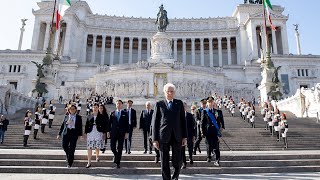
x=212, y=129
x=132, y=116
x=169, y=129
x=191, y=128
x=198, y=112
x=145, y=123
x=70, y=130
x=119, y=130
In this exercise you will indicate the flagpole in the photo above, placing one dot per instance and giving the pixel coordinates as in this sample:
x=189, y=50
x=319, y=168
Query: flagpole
x=268, y=57
x=49, y=49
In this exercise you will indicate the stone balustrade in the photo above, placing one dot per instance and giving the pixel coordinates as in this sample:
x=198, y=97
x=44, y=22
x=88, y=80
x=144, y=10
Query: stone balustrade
x=305, y=103
x=12, y=101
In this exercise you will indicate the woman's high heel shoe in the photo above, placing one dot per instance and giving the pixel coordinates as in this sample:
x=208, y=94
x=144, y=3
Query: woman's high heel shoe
x=88, y=166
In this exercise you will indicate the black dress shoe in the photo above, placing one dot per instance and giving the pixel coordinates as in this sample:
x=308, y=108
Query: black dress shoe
x=150, y=152
x=191, y=161
x=156, y=159
x=145, y=152
x=117, y=166
x=129, y=152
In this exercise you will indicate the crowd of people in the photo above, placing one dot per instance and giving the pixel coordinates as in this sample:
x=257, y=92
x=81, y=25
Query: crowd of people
x=169, y=124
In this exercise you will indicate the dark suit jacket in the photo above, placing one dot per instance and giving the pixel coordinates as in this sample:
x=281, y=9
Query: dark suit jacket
x=145, y=120
x=208, y=128
x=191, y=126
x=78, y=125
x=4, y=125
x=133, y=117
x=101, y=124
x=167, y=123
x=122, y=126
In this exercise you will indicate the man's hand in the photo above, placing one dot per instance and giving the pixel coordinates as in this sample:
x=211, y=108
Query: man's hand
x=108, y=135
x=58, y=137
x=184, y=142
x=156, y=144
x=126, y=136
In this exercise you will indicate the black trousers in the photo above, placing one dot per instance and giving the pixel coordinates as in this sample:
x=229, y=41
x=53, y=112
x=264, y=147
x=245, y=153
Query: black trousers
x=213, y=146
x=50, y=123
x=190, y=150
x=117, y=150
x=69, y=143
x=128, y=145
x=146, y=135
x=176, y=158
x=197, y=142
x=43, y=126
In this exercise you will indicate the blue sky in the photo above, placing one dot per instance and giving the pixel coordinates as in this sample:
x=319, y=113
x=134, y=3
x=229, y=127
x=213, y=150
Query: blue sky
x=300, y=12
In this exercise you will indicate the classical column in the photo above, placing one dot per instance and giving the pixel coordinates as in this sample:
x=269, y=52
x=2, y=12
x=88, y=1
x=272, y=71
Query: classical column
x=67, y=39
x=210, y=52
x=148, y=48
x=193, y=51
x=21, y=38
x=202, y=51
x=254, y=42
x=112, y=50
x=184, y=51
x=121, y=50
x=238, y=49
x=139, y=48
x=297, y=40
x=284, y=39
x=130, y=49
x=46, y=37
x=175, y=49
x=274, y=42
x=36, y=34
x=103, y=49
x=94, y=46
x=84, y=47
x=220, y=51
x=229, y=51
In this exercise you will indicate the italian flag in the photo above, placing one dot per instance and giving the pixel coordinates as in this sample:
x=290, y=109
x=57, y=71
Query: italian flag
x=267, y=5
x=62, y=6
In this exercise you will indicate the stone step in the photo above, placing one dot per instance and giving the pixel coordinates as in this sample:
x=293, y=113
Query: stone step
x=156, y=170
x=148, y=164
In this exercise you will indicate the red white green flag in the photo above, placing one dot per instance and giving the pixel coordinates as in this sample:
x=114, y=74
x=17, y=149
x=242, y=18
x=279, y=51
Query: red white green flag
x=62, y=6
x=267, y=5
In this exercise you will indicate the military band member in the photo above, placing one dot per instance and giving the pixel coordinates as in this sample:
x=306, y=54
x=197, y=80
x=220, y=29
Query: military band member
x=284, y=129
x=52, y=112
x=198, y=112
x=37, y=123
x=27, y=127
x=119, y=130
x=132, y=116
x=191, y=128
x=145, y=123
x=45, y=116
x=212, y=126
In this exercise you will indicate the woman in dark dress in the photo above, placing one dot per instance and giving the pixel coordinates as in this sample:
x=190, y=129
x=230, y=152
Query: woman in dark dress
x=104, y=114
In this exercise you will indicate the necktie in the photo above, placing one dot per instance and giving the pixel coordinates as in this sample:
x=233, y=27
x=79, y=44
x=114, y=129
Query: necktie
x=118, y=115
x=170, y=105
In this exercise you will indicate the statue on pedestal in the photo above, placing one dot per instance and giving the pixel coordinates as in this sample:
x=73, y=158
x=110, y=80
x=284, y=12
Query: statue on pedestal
x=162, y=19
x=23, y=22
x=39, y=69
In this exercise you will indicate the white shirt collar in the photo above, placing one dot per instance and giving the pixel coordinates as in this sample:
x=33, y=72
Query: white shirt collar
x=169, y=100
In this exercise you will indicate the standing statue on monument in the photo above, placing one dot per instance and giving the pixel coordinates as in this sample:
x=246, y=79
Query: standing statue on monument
x=23, y=22
x=275, y=78
x=162, y=19
x=296, y=27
